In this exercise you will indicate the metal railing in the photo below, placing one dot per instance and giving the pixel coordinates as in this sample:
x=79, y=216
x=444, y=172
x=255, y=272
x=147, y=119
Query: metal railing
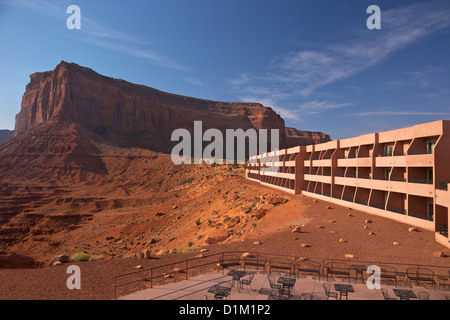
x=213, y=261
x=443, y=185
x=442, y=229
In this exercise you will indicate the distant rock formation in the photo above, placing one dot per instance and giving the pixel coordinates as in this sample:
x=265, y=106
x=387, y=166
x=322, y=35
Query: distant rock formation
x=5, y=135
x=303, y=138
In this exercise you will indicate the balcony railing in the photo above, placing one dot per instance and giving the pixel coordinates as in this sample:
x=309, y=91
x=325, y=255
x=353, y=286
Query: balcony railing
x=397, y=154
x=423, y=151
x=378, y=206
x=424, y=181
x=442, y=185
x=442, y=229
x=396, y=210
x=420, y=216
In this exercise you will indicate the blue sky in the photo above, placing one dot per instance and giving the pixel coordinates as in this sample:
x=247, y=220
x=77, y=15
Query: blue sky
x=314, y=62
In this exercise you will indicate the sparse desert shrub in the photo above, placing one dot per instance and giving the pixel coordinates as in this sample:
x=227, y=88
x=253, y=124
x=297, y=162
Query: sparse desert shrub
x=80, y=256
x=188, y=180
x=197, y=222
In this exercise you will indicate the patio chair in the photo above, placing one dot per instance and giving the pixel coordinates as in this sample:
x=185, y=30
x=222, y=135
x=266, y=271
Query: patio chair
x=386, y=294
x=258, y=262
x=328, y=292
x=273, y=284
x=275, y=295
x=338, y=268
x=420, y=274
x=309, y=267
x=388, y=274
x=229, y=260
x=424, y=295
x=247, y=281
x=284, y=264
x=224, y=284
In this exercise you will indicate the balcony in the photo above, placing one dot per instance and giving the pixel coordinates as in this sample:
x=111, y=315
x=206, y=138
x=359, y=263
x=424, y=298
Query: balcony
x=396, y=210
x=442, y=229
x=390, y=161
x=318, y=178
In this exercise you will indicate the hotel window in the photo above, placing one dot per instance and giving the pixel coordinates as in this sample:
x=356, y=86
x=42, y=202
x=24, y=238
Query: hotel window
x=388, y=150
x=430, y=147
x=387, y=172
x=429, y=175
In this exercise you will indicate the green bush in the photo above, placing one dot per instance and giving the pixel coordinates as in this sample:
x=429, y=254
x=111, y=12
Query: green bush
x=80, y=256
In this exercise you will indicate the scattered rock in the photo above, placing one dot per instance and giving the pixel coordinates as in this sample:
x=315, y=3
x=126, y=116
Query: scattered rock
x=62, y=258
x=109, y=238
x=371, y=233
x=160, y=214
x=332, y=221
x=277, y=200
x=203, y=250
x=349, y=256
x=138, y=267
x=297, y=229
x=305, y=245
x=350, y=215
x=342, y=240
x=259, y=213
x=179, y=270
x=174, y=207
x=328, y=207
x=439, y=254
x=199, y=255
x=396, y=244
x=368, y=221
x=146, y=254
x=256, y=242
x=366, y=227
x=320, y=227
x=167, y=276
x=248, y=255
x=314, y=200
x=412, y=229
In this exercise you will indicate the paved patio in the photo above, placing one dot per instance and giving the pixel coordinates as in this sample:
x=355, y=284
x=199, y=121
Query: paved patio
x=306, y=288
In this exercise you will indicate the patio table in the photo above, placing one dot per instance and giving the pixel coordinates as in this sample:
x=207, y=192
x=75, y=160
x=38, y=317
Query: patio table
x=404, y=294
x=238, y=274
x=219, y=291
x=343, y=289
x=286, y=281
x=359, y=269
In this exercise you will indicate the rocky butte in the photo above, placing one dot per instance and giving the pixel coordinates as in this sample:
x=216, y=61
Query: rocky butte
x=137, y=115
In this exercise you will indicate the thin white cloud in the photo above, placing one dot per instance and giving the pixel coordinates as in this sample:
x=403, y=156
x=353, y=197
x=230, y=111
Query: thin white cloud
x=297, y=75
x=316, y=107
x=99, y=35
x=194, y=81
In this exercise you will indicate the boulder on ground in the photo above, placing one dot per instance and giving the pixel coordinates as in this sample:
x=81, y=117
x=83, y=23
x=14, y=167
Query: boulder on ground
x=62, y=258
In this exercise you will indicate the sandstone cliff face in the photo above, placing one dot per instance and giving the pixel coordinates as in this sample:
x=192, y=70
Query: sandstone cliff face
x=303, y=138
x=116, y=107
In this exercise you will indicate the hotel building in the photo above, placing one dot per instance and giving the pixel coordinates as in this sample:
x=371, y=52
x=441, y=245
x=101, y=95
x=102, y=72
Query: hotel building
x=401, y=174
